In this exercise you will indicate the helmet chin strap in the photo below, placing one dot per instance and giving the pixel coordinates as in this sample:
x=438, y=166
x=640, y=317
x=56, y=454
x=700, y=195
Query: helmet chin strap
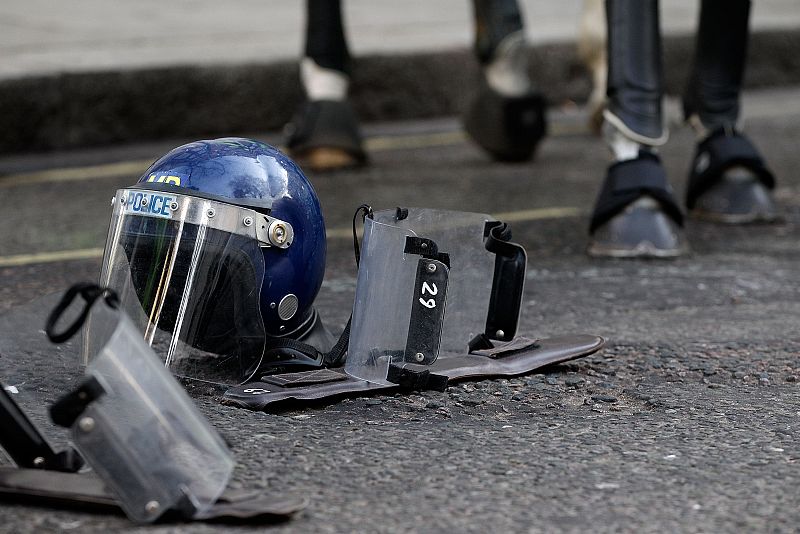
x=291, y=353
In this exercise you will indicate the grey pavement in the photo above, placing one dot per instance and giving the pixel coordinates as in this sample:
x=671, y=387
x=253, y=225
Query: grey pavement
x=99, y=73
x=45, y=37
x=687, y=422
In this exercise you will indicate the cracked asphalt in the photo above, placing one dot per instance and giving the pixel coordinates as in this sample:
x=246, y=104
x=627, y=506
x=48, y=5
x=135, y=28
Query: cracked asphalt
x=688, y=421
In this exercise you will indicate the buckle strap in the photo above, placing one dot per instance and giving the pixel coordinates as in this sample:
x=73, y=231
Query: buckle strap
x=627, y=181
x=723, y=149
x=413, y=379
x=294, y=353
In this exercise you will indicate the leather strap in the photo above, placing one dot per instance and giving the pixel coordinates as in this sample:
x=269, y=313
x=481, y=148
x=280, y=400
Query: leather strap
x=723, y=149
x=627, y=181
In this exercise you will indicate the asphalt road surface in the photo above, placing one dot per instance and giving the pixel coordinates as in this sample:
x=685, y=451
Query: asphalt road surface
x=688, y=421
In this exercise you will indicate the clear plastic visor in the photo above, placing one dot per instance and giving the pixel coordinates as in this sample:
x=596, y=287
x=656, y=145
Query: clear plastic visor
x=143, y=435
x=188, y=272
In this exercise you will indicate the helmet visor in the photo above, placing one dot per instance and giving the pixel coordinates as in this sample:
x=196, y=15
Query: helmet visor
x=188, y=272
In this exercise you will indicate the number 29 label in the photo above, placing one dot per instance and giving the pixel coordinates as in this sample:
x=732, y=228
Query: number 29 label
x=429, y=289
x=427, y=312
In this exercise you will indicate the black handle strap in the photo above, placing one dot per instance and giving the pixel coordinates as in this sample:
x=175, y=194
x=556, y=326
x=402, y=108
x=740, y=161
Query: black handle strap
x=90, y=293
x=68, y=408
x=508, y=283
x=336, y=356
x=366, y=211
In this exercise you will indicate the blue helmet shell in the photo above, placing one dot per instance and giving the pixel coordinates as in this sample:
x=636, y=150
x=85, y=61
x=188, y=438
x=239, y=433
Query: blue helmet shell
x=256, y=175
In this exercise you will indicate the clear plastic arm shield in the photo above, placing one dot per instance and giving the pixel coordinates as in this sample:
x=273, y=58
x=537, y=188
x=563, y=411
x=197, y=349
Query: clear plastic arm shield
x=139, y=430
x=438, y=299
x=435, y=281
x=150, y=449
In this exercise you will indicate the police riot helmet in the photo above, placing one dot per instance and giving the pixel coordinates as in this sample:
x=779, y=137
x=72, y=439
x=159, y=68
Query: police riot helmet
x=219, y=247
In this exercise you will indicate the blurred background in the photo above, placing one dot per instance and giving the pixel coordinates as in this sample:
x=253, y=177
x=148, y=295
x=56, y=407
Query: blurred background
x=95, y=72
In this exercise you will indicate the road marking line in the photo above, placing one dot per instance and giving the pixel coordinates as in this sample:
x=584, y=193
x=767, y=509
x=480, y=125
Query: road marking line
x=75, y=174
x=537, y=214
x=134, y=168
x=397, y=142
x=50, y=257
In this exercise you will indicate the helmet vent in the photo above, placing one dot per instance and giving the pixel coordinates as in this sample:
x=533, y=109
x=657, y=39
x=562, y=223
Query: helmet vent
x=287, y=307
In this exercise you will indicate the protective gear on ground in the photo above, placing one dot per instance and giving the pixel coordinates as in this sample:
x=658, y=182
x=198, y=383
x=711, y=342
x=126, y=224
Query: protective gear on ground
x=438, y=298
x=138, y=429
x=150, y=449
x=218, y=249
